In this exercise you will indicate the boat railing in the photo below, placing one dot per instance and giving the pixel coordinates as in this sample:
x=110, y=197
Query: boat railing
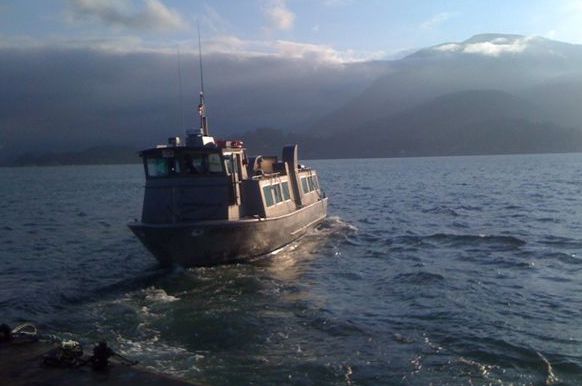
x=266, y=175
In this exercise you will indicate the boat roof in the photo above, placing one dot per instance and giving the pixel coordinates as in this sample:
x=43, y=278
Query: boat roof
x=210, y=148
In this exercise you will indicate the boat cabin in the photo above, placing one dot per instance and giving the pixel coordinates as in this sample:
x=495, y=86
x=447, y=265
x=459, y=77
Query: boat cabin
x=210, y=180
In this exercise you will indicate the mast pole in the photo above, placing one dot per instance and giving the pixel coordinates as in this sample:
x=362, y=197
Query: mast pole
x=180, y=89
x=202, y=105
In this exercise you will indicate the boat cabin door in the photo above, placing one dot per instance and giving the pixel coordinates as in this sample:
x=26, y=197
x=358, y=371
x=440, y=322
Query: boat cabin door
x=236, y=170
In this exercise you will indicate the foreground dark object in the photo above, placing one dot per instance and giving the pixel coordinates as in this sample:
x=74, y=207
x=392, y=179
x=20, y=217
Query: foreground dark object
x=22, y=364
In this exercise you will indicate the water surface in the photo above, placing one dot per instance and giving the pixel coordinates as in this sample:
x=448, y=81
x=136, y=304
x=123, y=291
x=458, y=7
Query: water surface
x=462, y=270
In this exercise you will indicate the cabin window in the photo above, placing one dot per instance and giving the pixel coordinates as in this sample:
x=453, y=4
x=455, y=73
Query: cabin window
x=268, y=196
x=276, y=193
x=174, y=166
x=214, y=163
x=276, y=189
x=286, y=195
x=157, y=167
x=232, y=164
x=184, y=165
x=309, y=184
x=194, y=164
x=228, y=164
x=304, y=185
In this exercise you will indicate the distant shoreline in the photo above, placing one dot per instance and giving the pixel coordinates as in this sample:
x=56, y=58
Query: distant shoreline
x=306, y=159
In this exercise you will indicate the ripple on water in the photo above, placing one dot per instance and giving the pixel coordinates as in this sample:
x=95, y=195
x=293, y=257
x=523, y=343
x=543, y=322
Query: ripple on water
x=421, y=277
x=441, y=210
x=491, y=241
x=562, y=242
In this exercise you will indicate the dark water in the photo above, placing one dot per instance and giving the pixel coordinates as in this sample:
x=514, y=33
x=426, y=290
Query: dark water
x=453, y=271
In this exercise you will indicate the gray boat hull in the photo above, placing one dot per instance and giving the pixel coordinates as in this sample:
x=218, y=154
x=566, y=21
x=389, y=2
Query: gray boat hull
x=221, y=242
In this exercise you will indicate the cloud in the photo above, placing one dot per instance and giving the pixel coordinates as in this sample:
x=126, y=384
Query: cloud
x=494, y=47
x=436, y=20
x=119, y=45
x=154, y=15
x=285, y=49
x=279, y=15
x=99, y=97
x=323, y=53
x=222, y=44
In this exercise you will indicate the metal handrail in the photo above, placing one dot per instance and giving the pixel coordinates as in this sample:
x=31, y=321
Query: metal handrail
x=266, y=175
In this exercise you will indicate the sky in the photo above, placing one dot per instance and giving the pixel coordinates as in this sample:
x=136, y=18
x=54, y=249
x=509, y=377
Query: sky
x=77, y=73
x=334, y=30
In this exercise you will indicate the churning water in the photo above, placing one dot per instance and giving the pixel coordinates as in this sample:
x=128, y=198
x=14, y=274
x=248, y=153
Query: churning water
x=464, y=270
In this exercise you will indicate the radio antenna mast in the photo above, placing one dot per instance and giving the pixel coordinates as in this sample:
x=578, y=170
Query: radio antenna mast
x=180, y=89
x=202, y=105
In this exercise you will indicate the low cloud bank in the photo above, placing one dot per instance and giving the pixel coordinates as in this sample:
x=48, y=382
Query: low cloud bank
x=62, y=98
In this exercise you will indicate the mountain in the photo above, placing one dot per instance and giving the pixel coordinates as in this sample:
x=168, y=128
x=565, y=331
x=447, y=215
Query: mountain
x=491, y=93
x=467, y=122
x=561, y=98
x=56, y=99
x=523, y=66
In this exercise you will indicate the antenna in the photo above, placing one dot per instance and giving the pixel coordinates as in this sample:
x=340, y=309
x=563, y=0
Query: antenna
x=180, y=89
x=200, y=59
x=202, y=105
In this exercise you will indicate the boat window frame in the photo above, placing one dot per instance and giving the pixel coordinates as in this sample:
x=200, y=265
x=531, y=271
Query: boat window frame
x=274, y=194
x=315, y=181
x=269, y=201
x=277, y=193
x=286, y=191
x=309, y=184
x=304, y=185
x=176, y=164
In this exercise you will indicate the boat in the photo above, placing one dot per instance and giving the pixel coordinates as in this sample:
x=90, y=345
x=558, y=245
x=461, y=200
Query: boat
x=207, y=203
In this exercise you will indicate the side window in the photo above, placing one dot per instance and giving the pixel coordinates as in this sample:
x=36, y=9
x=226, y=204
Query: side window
x=174, y=166
x=231, y=162
x=194, y=164
x=157, y=167
x=214, y=163
x=228, y=163
x=304, y=185
x=235, y=162
x=268, y=196
x=286, y=195
x=276, y=189
x=311, y=185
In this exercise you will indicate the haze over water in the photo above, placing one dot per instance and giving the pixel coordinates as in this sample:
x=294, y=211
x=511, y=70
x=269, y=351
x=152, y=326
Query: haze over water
x=462, y=270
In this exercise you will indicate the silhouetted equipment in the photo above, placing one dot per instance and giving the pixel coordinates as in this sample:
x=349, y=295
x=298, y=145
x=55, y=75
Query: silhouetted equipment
x=28, y=358
x=68, y=354
x=5, y=333
x=101, y=355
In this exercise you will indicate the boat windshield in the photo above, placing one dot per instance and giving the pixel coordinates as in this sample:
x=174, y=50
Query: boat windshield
x=189, y=164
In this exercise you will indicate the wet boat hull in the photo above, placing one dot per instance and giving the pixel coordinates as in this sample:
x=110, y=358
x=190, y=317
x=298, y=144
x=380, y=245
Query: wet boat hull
x=222, y=242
